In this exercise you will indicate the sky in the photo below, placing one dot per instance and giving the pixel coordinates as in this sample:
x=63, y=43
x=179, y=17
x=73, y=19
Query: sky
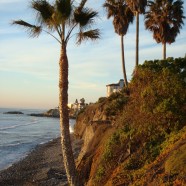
x=29, y=70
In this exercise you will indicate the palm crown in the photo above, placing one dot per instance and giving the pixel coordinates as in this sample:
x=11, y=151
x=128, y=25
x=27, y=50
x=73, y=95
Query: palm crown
x=61, y=16
x=122, y=15
x=164, y=19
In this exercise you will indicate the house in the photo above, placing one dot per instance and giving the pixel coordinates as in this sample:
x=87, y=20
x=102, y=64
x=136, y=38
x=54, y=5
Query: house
x=78, y=105
x=115, y=87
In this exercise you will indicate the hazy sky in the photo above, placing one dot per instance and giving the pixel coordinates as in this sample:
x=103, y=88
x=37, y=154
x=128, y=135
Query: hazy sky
x=29, y=66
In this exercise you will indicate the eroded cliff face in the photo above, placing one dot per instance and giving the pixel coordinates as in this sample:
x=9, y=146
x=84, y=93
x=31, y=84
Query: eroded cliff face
x=92, y=126
x=93, y=114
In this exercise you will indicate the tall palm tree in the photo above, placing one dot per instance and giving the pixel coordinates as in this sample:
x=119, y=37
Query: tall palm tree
x=165, y=19
x=122, y=17
x=137, y=7
x=64, y=18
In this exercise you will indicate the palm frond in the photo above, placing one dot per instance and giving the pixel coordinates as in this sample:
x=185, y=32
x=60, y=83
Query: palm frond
x=121, y=13
x=81, y=5
x=64, y=9
x=137, y=6
x=91, y=34
x=164, y=19
x=32, y=30
x=111, y=9
x=85, y=18
x=44, y=12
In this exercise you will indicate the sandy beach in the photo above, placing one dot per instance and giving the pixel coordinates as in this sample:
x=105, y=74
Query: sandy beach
x=43, y=166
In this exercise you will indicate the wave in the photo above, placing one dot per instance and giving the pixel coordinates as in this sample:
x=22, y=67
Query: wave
x=19, y=125
x=15, y=144
x=11, y=144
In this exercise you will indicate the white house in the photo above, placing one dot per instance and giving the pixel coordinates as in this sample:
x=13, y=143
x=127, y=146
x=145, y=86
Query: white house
x=114, y=87
x=78, y=105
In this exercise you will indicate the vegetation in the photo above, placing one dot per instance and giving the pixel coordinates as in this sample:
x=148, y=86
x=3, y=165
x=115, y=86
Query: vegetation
x=122, y=18
x=149, y=146
x=63, y=16
x=165, y=19
x=115, y=103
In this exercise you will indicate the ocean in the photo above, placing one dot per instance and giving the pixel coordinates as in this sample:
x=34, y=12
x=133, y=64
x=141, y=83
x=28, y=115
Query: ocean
x=19, y=134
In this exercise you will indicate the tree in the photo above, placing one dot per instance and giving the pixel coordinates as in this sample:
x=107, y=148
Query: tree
x=137, y=7
x=64, y=18
x=165, y=19
x=122, y=17
x=82, y=101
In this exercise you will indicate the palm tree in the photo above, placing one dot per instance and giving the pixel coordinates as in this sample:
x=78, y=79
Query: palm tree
x=165, y=19
x=137, y=7
x=122, y=17
x=64, y=18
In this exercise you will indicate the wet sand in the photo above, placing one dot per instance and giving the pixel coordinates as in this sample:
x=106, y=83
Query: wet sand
x=42, y=167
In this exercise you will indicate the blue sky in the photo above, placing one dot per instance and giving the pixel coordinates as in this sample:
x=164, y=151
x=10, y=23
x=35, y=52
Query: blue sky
x=29, y=66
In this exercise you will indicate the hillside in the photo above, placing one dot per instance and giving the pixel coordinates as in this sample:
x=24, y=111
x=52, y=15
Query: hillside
x=140, y=138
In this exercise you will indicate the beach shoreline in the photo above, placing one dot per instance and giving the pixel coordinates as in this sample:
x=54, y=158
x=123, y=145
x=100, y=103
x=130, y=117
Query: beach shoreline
x=42, y=166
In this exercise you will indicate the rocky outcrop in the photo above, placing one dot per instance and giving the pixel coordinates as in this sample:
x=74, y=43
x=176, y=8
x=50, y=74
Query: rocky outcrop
x=93, y=115
x=54, y=113
x=13, y=112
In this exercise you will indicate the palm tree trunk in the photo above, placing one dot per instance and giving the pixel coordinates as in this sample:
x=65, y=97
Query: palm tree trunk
x=137, y=38
x=164, y=50
x=67, y=152
x=123, y=62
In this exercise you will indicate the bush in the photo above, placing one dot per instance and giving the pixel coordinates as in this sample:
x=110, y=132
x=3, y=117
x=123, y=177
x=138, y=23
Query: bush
x=116, y=104
x=133, y=163
x=100, y=173
x=102, y=99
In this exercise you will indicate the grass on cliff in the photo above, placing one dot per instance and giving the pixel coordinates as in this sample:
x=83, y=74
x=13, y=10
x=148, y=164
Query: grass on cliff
x=148, y=145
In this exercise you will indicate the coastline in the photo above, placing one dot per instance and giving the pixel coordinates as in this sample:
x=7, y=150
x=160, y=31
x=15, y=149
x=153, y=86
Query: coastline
x=43, y=166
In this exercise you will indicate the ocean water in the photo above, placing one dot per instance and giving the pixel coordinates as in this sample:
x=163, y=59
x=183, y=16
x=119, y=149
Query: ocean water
x=19, y=134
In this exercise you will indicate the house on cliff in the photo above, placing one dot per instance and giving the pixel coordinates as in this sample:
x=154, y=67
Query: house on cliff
x=114, y=87
x=78, y=105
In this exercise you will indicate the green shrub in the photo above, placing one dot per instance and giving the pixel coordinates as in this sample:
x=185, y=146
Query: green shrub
x=176, y=163
x=116, y=104
x=100, y=173
x=153, y=147
x=133, y=163
x=102, y=99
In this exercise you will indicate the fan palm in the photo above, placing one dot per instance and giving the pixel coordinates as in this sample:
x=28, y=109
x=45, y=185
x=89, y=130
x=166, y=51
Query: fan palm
x=122, y=17
x=165, y=19
x=137, y=7
x=64, y=18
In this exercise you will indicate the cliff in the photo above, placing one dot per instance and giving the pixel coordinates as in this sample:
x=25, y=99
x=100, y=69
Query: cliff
x=138, y=139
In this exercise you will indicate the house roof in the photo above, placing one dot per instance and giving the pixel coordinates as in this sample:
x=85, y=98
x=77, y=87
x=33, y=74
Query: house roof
x=114, y=84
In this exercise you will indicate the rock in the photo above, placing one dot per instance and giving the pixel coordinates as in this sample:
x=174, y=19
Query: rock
x=37, y=115
x=13, y=112
x=54, y=113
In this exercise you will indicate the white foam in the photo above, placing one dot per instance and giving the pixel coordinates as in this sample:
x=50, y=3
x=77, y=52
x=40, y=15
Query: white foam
x=20, y=125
